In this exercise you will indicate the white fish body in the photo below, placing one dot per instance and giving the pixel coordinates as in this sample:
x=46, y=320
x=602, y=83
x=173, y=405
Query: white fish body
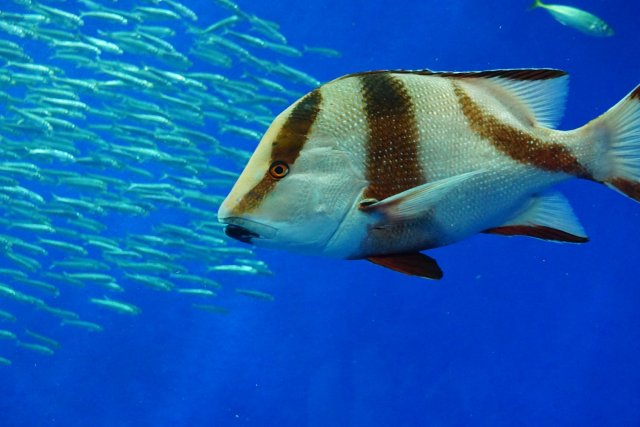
x=577, y=18
x=382, y=165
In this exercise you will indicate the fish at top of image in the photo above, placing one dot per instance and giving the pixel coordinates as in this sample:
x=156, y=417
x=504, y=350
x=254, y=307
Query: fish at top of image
x=382, y=165
x=576, y=18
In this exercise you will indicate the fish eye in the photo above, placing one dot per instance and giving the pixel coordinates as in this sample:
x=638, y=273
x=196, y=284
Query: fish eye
x=278, y=169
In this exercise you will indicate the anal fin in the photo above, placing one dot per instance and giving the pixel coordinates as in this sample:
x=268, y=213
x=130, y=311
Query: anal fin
x=539, y=232
x=413, y=264
x=546, y=216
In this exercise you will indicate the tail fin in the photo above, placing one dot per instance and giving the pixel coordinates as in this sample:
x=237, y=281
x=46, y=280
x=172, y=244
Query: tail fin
x=619, y=132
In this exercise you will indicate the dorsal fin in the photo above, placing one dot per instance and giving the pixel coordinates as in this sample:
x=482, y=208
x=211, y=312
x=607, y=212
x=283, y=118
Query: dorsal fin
x=543, y=91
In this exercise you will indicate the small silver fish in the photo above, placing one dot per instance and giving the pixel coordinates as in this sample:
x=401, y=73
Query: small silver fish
x=82, y=324
x=117, y=306
x=382, y=165
x=577, y=18
x=38, y=348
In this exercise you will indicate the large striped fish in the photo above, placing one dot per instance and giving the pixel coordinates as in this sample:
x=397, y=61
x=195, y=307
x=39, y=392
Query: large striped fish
x=382, y=165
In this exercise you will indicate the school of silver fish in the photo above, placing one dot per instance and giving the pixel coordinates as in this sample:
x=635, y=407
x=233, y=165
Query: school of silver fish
x=112, y=145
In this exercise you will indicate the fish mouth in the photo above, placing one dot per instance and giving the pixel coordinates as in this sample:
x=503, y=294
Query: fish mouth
x=246, y=230
x=240, y=233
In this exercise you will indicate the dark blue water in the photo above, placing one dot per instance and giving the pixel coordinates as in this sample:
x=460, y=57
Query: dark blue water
x=519, y=332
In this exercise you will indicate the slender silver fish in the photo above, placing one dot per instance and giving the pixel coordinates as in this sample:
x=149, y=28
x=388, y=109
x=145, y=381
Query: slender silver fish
x=576, y=18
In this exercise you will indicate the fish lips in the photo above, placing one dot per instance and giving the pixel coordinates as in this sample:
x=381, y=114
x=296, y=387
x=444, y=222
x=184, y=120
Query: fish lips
x=246, y=230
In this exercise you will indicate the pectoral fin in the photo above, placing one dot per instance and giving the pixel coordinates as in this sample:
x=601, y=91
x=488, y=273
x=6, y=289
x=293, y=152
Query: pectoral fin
x=415, y=202
x=413, y=264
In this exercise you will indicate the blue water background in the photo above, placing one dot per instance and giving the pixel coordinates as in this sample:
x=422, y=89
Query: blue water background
x=519, y=332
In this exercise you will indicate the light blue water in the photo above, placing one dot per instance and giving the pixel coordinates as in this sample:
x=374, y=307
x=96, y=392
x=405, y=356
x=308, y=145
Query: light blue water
x=520, y=331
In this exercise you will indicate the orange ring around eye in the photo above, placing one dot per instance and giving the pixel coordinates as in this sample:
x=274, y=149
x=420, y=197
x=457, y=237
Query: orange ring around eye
x=278, y=169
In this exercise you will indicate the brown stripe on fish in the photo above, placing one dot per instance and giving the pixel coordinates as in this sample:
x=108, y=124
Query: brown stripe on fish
x=295, y=130
x=517, y=144
x=392, y=162
x=635, y=94
x=254, y=197
x=286, y=147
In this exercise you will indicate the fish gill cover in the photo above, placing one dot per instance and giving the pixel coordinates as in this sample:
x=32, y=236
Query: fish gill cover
x=121, y=129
